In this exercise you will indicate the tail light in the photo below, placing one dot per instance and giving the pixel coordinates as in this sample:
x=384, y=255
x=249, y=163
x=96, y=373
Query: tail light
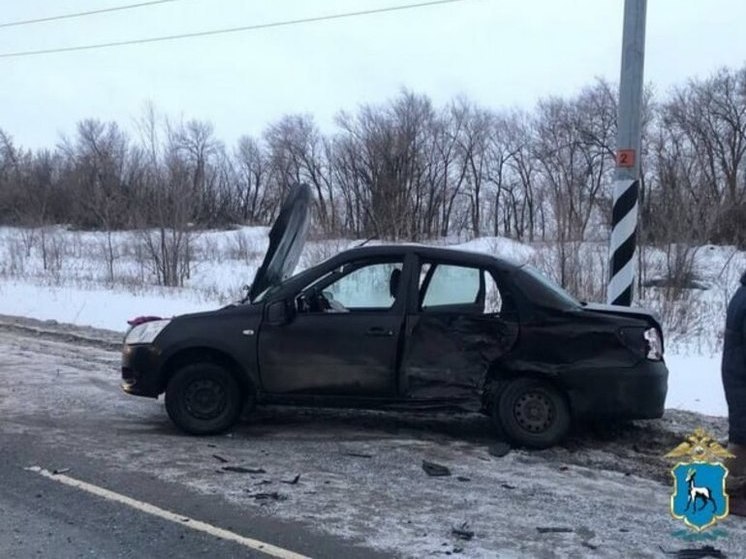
x=654, y=344
x=645, y=342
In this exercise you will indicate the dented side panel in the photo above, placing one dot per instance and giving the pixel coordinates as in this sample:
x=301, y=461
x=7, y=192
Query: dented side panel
x=448, y=355
x=454, y=356
x=555, y=343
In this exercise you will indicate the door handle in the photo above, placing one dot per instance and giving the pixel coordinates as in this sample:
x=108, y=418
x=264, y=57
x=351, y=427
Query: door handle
x=380, y=332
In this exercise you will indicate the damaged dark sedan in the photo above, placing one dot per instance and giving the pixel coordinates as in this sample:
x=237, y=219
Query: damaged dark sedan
x=401, y=327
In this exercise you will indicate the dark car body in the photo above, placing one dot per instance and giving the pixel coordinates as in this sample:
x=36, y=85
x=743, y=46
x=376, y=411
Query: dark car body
x=429, y=344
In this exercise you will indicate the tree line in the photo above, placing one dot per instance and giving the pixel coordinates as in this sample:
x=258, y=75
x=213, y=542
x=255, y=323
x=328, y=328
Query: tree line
x=405, y=169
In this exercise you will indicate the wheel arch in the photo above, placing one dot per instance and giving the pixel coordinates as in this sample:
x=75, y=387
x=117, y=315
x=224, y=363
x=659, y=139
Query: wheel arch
x=499, y=376
x=197, y=353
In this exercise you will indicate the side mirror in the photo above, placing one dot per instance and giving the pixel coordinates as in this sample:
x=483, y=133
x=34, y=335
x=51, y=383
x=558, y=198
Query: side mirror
x=279, y=312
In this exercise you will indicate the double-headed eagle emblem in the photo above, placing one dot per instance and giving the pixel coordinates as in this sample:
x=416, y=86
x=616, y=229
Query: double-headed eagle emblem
x=700, y=446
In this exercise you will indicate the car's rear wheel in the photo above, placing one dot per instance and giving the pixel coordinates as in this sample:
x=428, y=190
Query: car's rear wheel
x=204, y=399
x=532, y=413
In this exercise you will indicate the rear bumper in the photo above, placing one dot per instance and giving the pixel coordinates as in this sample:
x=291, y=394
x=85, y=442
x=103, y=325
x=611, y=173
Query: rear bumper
x=140, y=366
x=637, y=392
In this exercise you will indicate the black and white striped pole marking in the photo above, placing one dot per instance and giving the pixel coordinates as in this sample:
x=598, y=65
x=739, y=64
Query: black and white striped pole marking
x=627, y=175
x=623, y=242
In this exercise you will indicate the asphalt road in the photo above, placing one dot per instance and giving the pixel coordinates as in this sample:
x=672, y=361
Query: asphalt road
x=41, y=518
x=64, y=428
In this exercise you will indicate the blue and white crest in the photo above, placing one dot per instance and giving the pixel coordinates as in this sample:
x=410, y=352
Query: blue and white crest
x=699, y=497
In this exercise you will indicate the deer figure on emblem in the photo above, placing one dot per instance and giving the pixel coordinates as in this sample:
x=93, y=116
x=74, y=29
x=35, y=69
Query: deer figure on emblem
x=702, y=493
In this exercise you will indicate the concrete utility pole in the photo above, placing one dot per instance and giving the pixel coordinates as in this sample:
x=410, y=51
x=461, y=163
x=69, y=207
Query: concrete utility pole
x=627, y=175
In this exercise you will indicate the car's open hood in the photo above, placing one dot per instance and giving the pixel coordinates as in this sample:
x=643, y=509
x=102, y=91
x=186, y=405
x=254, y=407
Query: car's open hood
x=286, y=240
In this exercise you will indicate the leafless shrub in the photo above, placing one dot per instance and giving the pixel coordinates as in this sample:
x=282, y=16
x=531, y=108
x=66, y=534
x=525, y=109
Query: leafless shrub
x=14, y=263
x=581, y=268
x=169, y=254
x=109, y=253
x=137, y=250
x=691, y=324
x=208, y=249
x=52, y=253
x=316, y=252
x=220, y=295
x=28, y=237
x=243, y=247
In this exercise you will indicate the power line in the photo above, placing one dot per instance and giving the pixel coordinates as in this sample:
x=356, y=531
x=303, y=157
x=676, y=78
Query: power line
x=231, y=29
x=83, y=14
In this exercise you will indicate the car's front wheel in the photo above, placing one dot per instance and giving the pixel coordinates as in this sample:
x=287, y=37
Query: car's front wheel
x=532, y=413
x=203, y=399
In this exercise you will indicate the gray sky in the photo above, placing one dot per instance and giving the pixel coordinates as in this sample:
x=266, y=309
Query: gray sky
x=501, y=53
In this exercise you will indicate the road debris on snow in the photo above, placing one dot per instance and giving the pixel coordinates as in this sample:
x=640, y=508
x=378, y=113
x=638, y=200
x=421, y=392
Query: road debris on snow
x=463, y=532
x=499, y=449
x=357, y=454
x=242, y=470
x=272, y=496
x=435, y=470
x=696, y=553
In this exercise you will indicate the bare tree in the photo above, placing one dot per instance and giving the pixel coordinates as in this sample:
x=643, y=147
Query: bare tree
x=251, y=180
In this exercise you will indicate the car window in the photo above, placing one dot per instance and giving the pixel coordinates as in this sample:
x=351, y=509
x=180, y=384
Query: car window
x=424, y=270
x=459, y=286
x=370, y=287
x=493, y=300
x=542, y=290
x=451, y=285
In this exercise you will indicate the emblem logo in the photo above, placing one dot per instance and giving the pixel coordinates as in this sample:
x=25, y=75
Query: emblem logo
x=699, y=498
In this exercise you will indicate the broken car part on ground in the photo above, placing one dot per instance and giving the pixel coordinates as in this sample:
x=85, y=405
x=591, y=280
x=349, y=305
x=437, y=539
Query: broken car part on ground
x=401, y=326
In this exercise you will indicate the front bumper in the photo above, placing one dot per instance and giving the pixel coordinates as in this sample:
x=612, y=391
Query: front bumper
x=637, y=392
x=140, y=366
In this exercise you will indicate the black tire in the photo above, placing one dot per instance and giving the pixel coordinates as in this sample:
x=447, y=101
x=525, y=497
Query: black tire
x=204, y=399
x=532, y=413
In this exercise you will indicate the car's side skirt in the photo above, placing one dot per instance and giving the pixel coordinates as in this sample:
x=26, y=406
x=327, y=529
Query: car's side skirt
x=326, y=401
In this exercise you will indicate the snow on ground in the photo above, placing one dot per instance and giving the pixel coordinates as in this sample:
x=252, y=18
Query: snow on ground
x=100, y=308
x=694, y=384
x=75, y=288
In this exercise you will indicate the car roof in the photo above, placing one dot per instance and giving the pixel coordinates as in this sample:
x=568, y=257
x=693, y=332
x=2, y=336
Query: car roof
x=425, y=251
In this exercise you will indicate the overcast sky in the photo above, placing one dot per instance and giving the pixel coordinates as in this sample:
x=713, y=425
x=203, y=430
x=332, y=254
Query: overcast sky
x=501, y=53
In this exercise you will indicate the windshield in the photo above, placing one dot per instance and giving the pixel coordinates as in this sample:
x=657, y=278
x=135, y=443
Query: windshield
x=543, y=290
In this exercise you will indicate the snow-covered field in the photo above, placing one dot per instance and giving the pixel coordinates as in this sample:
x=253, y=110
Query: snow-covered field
x=78, y=287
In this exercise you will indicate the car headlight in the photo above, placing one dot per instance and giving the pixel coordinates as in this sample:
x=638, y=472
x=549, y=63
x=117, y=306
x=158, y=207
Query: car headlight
x=146, y=332
x=654, y=344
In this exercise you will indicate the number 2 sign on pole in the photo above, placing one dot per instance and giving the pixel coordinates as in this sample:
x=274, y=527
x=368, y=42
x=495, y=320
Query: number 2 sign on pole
x=625, y=158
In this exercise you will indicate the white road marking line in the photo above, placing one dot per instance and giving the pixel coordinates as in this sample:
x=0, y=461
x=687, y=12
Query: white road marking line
x=180, y=519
